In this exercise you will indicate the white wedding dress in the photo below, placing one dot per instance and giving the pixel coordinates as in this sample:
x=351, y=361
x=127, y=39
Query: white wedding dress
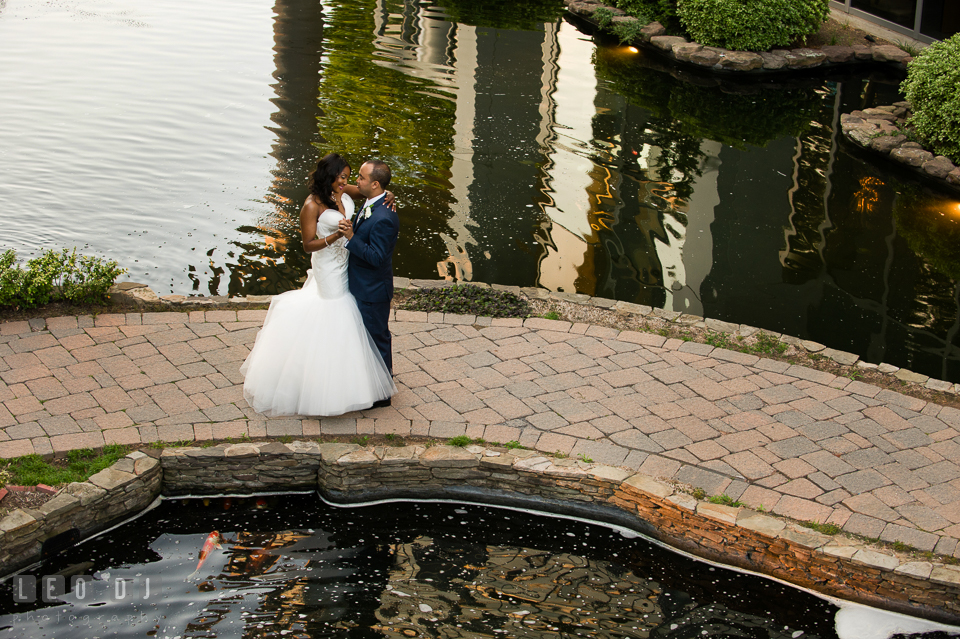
x=313, y=355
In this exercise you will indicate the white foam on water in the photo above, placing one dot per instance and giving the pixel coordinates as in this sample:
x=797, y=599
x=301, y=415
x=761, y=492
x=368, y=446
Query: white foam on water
x=854, y=621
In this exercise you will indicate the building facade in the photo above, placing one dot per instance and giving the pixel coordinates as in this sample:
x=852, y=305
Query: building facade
x=924, y=20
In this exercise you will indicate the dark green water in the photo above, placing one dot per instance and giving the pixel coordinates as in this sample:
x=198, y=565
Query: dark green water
x=293, y=566
x=176, y=138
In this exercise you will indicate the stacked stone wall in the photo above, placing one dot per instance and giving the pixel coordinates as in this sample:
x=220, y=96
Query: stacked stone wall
x=79, y=510
x=348, y=473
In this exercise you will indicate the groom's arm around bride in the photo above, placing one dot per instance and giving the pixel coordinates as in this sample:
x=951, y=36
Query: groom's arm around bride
x=371, y=239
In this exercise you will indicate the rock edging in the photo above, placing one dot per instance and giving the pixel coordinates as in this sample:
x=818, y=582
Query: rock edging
x=882, y=130
x=714, y=59
x=79, y=511
x=349, y=473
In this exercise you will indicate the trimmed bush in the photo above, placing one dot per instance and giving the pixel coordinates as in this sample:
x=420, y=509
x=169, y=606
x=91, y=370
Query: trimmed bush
x=931, y=87
x=751, y=25
x=55, y=276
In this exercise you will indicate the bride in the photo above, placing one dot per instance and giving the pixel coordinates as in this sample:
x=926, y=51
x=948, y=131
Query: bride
x=313, y=355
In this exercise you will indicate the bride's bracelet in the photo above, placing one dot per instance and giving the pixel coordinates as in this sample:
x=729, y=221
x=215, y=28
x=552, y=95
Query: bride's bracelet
x=325, y=241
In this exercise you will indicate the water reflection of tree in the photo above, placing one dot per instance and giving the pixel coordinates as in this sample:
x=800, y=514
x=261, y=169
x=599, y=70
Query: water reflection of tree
x=684, y=113
x=528, y=15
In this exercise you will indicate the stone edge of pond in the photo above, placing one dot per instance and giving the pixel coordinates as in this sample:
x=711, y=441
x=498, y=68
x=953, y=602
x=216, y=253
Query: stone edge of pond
x=349, y=473
x=143, y=293
x=879, y=130
x=743, y=63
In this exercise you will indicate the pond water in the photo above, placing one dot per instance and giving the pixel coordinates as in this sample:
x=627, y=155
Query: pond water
x=293, y=566
x=175, y=137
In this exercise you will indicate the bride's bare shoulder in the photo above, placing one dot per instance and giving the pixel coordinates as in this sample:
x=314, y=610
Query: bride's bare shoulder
x=312, y=207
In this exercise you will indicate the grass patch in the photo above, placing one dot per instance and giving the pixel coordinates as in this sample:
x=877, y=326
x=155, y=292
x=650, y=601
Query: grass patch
x=465, y=299
x=513, y=445
x=551, y=315
x=698, y=493
x=460, y=441
x=725, y=500
x=584, y=458
x=826, y=529
x=767, y=344
x=31, y=470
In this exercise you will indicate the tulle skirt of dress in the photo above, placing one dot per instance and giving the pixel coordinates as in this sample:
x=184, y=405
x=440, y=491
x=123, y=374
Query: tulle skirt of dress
x=313, y=356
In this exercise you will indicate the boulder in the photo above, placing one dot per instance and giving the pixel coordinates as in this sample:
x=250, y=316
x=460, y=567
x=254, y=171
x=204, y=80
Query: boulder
x=706, y=57
x=938, y=167
x=740, y=61
x=889, y=53
x=773, y=61
x=910, y=156
x=683, y=50
x=859, y=136
x=652, y=30
x=953, y=177
x=839, y=55
x=804, y=58
x=862, y=52
x=666, y=42
x=879, y=114
x=887, y=143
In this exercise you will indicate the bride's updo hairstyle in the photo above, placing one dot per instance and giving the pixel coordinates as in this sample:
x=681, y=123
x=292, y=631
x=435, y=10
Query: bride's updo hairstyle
x=321, y=181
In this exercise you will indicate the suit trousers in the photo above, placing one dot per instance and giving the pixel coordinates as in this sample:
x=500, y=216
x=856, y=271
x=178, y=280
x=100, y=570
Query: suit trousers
x=376, y=319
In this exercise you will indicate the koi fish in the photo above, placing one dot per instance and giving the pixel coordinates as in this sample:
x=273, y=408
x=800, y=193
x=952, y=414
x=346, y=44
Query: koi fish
x=213, y=539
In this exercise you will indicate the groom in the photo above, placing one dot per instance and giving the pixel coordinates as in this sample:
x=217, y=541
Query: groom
x=371, y=237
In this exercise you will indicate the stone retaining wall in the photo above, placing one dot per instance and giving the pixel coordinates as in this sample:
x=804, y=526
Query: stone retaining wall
x=717, y=60
x=79, y=511
x=348, y=473
x=882, y=130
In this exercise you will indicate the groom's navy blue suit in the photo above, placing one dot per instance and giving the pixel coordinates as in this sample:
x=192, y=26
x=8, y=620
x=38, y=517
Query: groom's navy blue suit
x=370, y=272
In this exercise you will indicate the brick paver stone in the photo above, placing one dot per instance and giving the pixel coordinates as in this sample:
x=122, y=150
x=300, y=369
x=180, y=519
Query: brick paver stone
x=800, y=442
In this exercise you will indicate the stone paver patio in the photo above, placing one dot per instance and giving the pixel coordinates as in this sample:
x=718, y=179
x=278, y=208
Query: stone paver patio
x=795, y=441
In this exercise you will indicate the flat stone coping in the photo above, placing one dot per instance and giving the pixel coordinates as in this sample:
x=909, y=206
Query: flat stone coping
x=723, y=61
x=794, y=441
x=350, y=473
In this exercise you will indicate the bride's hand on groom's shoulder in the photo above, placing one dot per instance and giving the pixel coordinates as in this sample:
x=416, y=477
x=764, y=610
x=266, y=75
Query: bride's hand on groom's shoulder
x=390, y=200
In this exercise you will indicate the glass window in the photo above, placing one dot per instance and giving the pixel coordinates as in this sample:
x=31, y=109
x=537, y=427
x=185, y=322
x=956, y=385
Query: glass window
x=940, y=19
x=902, y=12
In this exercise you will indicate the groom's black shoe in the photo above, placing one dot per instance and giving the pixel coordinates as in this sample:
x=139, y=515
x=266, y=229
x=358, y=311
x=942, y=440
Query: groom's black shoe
x=381, y=403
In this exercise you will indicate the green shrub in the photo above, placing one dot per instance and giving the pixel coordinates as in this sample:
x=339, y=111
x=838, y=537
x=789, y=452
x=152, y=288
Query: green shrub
x=751, y=25
x=931, y=88
x=640, y=9
x=627, y=32
x=79, y=279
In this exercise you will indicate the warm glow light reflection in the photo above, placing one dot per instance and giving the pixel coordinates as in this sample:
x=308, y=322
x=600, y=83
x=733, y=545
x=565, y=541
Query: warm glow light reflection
x=633, y=49
x=867, y=197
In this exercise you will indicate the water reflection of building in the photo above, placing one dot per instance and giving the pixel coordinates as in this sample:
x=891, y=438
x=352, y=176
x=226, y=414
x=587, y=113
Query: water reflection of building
x=513, y=592
x=273, y=260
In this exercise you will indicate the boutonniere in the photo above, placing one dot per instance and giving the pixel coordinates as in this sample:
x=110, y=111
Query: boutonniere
x=365, y=212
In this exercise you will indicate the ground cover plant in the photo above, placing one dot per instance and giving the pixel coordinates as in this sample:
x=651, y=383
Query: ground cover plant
x=465, y=299
x=931, y=88
x=55, y=276
x=31, y=470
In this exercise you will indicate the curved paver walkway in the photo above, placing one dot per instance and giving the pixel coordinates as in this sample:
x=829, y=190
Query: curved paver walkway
x=799, y=442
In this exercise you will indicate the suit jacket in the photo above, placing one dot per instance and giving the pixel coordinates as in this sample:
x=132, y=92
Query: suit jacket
x=370, y=269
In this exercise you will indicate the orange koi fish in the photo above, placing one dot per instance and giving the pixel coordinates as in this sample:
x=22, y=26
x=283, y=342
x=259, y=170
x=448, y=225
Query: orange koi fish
x=213, y=539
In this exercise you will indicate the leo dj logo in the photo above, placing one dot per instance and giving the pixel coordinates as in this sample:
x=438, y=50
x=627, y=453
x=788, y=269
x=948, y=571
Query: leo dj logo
x=53, y=588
